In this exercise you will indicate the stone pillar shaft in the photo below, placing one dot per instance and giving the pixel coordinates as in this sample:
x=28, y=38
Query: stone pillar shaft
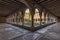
x=32, y=15
x=40, y=14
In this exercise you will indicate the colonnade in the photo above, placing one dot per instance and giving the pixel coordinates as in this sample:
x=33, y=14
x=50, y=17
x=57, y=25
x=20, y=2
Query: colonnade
x=31, y=18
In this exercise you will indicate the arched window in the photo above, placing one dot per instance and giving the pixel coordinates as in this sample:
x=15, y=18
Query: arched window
x=53, y=19
x=14, y=18
x=36, y=18
x=43, y=22
x=50, y=18
x=27, y=18
x=46, y=18
x=19, y=18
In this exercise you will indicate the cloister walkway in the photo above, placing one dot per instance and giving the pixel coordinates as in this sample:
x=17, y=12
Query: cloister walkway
x=10, y=32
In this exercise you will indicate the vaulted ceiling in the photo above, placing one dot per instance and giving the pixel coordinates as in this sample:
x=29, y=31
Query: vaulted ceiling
x=10, y=6
x=7, y=7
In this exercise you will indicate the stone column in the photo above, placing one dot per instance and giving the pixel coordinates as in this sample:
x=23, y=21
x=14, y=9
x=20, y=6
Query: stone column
x=22, y=19
x=45, y=16
x=48, y=16
x=40, y=14
x=32, y=15
x=17, y=18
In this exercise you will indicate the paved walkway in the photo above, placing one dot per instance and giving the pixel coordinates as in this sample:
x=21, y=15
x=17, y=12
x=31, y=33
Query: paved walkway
x=9, y=32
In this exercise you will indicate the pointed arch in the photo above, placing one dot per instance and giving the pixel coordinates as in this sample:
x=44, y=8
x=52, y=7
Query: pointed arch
x=27, y=18
x=36, y=18
x=19, y=17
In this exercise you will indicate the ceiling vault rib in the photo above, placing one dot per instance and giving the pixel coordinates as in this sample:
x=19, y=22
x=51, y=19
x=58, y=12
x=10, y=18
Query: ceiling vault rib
x=51, y=6
x=12, y=12
x=42, y=1
x=47, y=9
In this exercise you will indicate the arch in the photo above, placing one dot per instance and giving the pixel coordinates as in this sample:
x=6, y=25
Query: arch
x=19, y=17
x=27, y=18
x=36, y=18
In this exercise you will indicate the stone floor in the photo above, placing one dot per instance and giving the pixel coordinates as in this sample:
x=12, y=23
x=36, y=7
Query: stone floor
x=10, y=32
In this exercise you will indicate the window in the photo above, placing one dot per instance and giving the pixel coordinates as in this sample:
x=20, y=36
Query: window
x=19, y=18
x=50, y=18
x=43, y=18
x=27, y=18
x=54, y=19
x=36, y=18
x=46, y=18
x=14, y=18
